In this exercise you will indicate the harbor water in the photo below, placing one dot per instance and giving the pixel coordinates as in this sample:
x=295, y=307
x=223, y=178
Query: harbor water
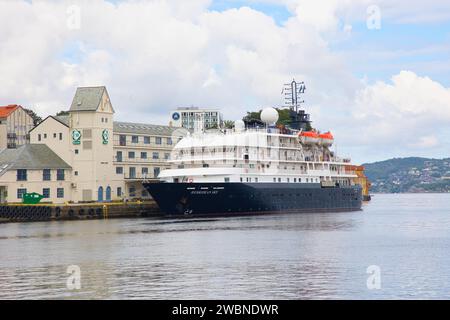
x=397, y=247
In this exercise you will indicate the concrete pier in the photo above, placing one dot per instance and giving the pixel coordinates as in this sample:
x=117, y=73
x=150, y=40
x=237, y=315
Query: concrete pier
x=51, y=212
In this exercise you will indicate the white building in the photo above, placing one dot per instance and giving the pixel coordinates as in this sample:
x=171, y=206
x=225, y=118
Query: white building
x=193, y=118
x=104, y=160
x=15, y=123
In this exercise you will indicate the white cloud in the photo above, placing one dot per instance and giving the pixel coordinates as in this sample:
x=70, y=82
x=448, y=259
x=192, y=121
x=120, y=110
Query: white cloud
x=156, y=55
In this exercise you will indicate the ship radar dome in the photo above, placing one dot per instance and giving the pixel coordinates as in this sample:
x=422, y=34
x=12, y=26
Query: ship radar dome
x=239, y=125
x=269, y=116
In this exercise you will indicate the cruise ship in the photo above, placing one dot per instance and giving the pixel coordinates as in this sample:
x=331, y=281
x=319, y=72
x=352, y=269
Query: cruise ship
x=257, y=168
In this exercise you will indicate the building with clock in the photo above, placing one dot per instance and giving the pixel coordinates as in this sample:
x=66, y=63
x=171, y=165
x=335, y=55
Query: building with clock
x=102, y=160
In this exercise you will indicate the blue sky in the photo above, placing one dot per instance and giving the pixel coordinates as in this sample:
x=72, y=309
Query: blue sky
x=376, y=89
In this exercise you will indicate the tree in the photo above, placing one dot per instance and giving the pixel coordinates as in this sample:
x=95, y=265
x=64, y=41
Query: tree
x=36, y=118
x=228, y=124
x=62, y=113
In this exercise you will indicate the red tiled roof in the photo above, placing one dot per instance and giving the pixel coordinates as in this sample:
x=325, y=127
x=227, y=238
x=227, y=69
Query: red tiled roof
x=7, y=110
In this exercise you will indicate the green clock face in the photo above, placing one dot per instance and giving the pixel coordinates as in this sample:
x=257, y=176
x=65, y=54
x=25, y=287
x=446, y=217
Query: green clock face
x=76, y=137
x=105, y=136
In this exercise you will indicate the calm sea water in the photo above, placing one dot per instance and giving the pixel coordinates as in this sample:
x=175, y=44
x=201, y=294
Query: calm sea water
x=289, y=256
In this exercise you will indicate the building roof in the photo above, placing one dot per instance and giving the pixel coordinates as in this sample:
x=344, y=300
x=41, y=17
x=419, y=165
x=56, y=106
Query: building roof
x=30, y=156
x=87, y=98
x=141, y=128
x=63, y=119
x=7, y=110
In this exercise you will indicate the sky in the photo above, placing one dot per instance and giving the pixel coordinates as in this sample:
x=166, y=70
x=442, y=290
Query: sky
x=377, y=72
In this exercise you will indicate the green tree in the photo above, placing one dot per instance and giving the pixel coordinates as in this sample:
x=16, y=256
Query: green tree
x=36, y=118
x=62, y=113
x=228, y=124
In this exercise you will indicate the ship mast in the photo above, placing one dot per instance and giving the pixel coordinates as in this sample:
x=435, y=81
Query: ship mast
x=292, y=97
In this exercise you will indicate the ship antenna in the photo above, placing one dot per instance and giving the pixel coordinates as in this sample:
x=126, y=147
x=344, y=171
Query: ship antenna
x=292, y=92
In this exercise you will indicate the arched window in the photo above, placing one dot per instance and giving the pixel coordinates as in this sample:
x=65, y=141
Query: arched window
x=100, y=194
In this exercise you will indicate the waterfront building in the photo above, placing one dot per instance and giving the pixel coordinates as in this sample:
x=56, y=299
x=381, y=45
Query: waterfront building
x=193, y=118
x=15, y=123
x=108, y=159
x=34, y=168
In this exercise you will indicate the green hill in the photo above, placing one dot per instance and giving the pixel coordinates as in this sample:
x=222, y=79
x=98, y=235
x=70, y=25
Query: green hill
x=409, y=175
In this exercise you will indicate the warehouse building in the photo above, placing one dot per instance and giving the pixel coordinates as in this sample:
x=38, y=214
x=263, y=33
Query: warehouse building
x=15, y=123
x=104, y=160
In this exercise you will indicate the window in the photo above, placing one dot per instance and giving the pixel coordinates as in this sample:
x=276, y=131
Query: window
x=87, y=133
x=227, y=179
x=76, y=151
x=155, y=155
x=87, y=145
x=54, y=136
x=134, y=139
x=274, y=179
x=20, y=193
x=60, y=193
x=60, y=136
x=119, y=191
x=60, y=175
x=279, y=179
x=143, y=155
x=144, y=193
x=76, y=173
x=46, y=175
x=21, y=175
x=167, y=156
x=132, y=192
x=45, y=136
x=46, y=193
x=169, y=141
x=119, y=156
x=158, y=140
x=146, y=140
x=119, y=170
x=123, y=140
x=156, y=172
x=39, y=137
x=144, y=171
x=131, y=155
x=132, y=172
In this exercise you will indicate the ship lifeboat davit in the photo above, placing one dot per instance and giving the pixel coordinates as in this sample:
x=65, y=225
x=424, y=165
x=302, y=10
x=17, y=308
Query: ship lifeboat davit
x=309, y=137
x=326, y=139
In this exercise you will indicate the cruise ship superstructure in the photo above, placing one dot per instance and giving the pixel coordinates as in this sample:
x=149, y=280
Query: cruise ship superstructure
x=258, y=169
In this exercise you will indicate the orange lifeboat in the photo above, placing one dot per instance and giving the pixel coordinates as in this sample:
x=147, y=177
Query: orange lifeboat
x=309, y=137
x=326, y=139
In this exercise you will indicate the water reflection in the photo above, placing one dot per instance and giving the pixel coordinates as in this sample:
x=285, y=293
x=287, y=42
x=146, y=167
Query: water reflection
x=306, y=256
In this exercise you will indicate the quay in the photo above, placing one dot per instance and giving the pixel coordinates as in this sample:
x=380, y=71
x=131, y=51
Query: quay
x=79, y=211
